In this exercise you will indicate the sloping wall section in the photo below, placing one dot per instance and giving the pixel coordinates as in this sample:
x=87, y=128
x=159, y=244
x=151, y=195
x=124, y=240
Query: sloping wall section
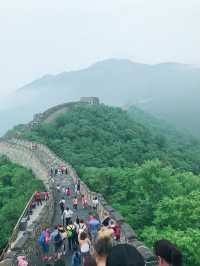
x=40, y=160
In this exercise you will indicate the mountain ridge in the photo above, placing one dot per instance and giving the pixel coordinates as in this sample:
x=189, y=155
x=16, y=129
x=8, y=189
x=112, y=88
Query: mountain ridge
x=172, y=87
x=109, y=62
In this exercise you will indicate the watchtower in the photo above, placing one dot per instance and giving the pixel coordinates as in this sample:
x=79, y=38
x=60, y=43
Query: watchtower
x=90, y=100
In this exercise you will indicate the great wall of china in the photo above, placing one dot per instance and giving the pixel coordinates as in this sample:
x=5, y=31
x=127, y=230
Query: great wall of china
x=40, y=161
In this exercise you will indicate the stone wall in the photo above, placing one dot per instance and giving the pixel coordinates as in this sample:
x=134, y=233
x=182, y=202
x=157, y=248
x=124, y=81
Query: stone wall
x=51, y=113
x=25, y=157
x=39, y=161
x=23, y=242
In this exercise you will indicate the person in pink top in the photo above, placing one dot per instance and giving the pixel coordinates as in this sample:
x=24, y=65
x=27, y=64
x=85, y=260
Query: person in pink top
x=84, y=201
x=46, y=195
x=68, y=192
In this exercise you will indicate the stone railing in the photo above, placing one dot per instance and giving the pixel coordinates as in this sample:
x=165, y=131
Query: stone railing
x=27, y=225
x=47, y=158
x=19, y=226
x=25, y=234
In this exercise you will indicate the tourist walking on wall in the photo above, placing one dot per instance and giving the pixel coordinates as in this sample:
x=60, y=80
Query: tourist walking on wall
x=57, y=240
x=68, y=192
x=93, y=227
x=82, y=227
x=84, y=201
x=66, y=172
x=58, y=188
x=43, y=241
x=167, y=253
x=62, y=204
x=79, y=185
x=77, y=224
x=37, y=197
x=71, y=235
x=51, y=171
x=55, y=172
x=95, y=203
x=84, y=244
x=46, y=195
x=76, y=258
x=75, y=203
x=67, y=215
x=22, y=261
x=75, y=188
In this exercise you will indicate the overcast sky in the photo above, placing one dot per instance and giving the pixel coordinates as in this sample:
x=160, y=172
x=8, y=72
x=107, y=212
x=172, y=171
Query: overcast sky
x=51, y=36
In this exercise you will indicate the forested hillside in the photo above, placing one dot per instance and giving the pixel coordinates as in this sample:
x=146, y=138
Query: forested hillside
x=142, y=167
x=101, y=136
x=17, y=184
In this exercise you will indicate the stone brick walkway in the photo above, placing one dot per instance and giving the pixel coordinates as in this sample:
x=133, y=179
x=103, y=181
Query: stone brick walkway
x=64, y=182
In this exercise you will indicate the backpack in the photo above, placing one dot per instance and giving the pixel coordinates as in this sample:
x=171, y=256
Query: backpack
x=62, y=205
x=41, y=239
x=69, y=231
x=82, y=228
x=58, y=239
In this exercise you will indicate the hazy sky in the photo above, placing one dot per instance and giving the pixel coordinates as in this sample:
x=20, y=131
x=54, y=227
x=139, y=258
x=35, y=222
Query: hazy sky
x=50, y=36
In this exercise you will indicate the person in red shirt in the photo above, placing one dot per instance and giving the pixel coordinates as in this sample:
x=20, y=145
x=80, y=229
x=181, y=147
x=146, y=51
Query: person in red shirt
x=68, y=192
x=46, y=195
x=116, y=229
x=38, y=198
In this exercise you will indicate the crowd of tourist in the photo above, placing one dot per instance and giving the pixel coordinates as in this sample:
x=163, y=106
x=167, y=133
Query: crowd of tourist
x=92, y=242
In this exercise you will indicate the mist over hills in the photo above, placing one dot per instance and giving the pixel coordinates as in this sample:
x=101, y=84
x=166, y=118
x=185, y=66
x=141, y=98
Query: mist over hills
x=170, y=91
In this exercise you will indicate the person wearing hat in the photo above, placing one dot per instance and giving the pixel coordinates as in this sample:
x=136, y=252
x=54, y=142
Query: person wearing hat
x=124, y=255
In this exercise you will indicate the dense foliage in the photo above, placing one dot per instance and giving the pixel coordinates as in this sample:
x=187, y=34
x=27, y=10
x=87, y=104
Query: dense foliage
x=156, y=200
x=101, y=136
x=143, y=168
x=17, y=184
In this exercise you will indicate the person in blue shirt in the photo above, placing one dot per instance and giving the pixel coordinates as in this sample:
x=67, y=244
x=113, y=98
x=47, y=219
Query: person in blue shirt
x=76, y=258
x=94, y=225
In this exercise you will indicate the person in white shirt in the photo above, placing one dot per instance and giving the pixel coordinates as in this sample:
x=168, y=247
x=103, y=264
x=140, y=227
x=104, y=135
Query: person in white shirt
x=82, y=227
x=95, y=203
x=67, y=215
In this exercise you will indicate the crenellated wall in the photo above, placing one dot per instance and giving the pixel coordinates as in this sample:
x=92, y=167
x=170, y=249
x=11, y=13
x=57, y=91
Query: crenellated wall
x=40, y=160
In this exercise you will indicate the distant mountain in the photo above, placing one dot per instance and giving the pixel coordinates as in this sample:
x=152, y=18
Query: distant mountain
x=169, y=90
